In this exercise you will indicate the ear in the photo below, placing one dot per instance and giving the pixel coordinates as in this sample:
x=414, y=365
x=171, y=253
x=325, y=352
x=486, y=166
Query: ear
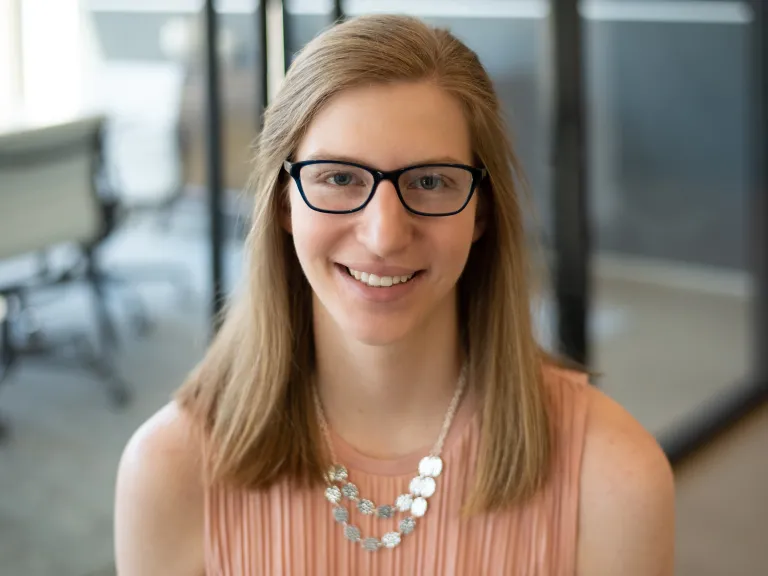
x=481, y=215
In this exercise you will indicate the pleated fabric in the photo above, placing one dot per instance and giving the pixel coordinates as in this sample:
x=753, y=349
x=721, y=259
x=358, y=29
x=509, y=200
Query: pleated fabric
x=288, y=531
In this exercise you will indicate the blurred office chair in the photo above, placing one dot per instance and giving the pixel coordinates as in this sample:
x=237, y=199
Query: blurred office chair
x=144, y=148
x=49, y=197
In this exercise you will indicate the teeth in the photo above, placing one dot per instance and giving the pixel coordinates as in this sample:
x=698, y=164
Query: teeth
x=378, y=281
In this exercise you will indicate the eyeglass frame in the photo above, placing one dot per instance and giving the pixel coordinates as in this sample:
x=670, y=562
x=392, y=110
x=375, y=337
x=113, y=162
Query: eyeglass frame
x=294, y=169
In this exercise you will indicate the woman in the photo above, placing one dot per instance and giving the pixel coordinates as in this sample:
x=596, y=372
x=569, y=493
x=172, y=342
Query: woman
x=375, y=402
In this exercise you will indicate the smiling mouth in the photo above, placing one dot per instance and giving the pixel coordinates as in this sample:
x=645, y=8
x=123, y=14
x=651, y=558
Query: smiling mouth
x=379, y=281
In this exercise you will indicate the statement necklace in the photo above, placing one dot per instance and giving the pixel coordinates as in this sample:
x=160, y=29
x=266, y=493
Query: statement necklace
x=412, y=504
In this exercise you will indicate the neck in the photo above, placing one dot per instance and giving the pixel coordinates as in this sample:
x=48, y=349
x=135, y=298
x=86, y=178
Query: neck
x=388, y=401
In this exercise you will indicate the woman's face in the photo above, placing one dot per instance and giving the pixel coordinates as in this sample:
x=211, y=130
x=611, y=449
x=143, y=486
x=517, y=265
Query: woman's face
x=385, y=127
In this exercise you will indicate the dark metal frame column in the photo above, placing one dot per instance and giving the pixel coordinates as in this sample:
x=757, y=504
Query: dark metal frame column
x=261, y=73
x=338, y=13
x=742, y=398
x=571, y=223
x=760, y=204
x=287, y=52
x=214, y=164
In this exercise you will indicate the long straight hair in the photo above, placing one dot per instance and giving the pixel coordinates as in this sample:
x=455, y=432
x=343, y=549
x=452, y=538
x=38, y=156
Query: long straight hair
x=252, y=390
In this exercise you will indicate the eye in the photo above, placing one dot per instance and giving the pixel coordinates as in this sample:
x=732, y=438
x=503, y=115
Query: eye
x=430, y=182
x=341, y=179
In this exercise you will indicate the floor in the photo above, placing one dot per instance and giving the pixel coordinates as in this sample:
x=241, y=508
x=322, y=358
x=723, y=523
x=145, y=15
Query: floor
x=57, y=469
x=669, y=350
x=664, y=353
x=722, y=504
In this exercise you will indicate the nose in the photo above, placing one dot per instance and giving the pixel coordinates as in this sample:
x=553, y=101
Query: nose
x=386, y=226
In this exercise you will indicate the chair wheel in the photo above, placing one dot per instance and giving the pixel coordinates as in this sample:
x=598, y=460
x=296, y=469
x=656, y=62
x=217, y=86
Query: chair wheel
x=143, y=326
x=120, y=397
x=5, y=431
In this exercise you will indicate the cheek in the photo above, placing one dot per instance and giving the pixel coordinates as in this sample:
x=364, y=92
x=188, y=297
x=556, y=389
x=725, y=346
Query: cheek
x=453, y=244
x=313, y=235
x=301, y=222
x=305, y=237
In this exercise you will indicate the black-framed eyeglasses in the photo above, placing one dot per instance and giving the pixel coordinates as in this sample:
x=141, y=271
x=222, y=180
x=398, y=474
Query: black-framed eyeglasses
x=337, y=187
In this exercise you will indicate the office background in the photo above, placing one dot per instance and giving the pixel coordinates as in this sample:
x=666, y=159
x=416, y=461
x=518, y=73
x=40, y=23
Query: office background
x=670, y=148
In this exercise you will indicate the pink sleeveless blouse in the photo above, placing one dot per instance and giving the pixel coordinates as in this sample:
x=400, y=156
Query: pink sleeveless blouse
x=287, y=531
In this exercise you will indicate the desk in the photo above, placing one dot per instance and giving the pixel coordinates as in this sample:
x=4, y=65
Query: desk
x=23, y=119
x=26, y=122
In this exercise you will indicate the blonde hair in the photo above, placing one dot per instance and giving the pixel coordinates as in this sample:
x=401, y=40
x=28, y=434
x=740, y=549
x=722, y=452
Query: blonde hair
x=252, y=390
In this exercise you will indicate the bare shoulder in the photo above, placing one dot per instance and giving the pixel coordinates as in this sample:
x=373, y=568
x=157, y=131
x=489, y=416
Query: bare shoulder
x=159, y=499
x=626, y=507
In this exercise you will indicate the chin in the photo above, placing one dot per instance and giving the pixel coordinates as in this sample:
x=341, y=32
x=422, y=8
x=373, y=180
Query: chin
x=377, y=333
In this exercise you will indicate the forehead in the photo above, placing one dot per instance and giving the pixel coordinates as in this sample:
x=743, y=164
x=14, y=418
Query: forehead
x=389, y=126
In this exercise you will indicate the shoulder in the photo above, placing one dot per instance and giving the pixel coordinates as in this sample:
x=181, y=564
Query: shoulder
x=626, y=502
x=159, y=498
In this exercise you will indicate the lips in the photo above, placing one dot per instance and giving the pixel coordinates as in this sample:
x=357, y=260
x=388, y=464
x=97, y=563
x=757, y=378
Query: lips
x=372, y=290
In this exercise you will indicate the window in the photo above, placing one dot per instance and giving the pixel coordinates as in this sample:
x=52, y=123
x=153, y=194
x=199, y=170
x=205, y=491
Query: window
x=10, y=66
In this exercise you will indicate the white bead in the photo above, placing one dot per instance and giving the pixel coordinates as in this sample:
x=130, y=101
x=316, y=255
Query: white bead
x=427, y=487
x=337, y=473
x=390, y=539
x=431, y=466
x=415, y=486
x=404, y=502
x=419, y=507
x=333, y=494
x=422, y=486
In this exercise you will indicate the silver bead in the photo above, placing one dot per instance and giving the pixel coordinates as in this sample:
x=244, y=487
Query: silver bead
x=340, y=514
x=352, y=533
x=333, y=494
x=390, y=539
x=404, y=502
x=349, y=491
x=431, y=466
x=407, y=525
x=371, y=544
x=419, y=507
x=385, y=511
x=366, y=507
x=337, y=473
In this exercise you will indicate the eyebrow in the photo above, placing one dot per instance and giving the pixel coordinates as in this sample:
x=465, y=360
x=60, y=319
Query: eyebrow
x=321, y=155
